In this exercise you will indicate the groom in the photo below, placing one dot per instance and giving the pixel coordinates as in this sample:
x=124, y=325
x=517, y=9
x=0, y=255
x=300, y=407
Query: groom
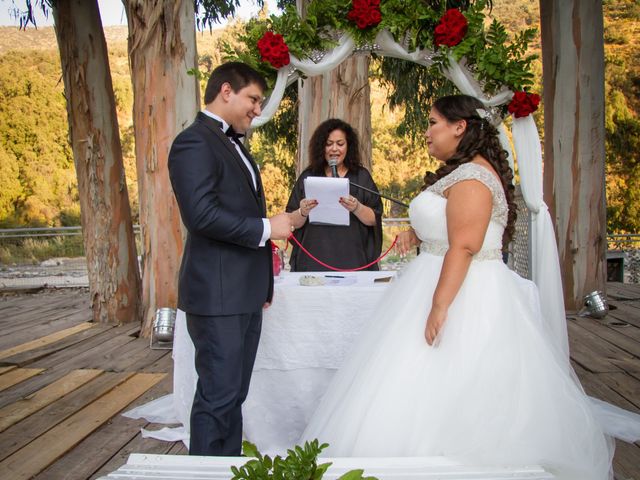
x=226, y=274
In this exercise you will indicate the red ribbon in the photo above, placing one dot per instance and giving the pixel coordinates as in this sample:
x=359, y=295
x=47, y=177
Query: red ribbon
x=295, y=240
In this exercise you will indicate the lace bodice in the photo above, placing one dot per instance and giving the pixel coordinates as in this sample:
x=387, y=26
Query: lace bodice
x=428, y=212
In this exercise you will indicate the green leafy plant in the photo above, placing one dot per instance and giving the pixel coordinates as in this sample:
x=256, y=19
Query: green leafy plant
x=301, y=463
x=497, y=61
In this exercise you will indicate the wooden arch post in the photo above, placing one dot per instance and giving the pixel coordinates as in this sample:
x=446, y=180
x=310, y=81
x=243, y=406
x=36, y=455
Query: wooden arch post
x=574, y=157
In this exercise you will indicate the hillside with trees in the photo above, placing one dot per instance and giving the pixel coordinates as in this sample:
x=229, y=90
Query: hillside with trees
x=39, y=187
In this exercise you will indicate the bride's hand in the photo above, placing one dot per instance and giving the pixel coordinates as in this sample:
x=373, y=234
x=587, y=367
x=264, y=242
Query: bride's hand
x=407, y=239
x=435, y=322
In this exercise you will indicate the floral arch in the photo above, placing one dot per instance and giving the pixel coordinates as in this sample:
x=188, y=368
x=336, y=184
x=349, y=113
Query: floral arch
x=457, y=43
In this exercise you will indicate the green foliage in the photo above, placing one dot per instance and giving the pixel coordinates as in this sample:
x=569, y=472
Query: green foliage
x=10, y=181
x=283, y=127
x=499, y=64
x=34, y=139
x=299, y=464
x=34, y=250
x=622, y=123
x=209, y=12
x=413, y=88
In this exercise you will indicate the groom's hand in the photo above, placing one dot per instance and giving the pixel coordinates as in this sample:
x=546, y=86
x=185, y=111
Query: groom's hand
x=281, y=226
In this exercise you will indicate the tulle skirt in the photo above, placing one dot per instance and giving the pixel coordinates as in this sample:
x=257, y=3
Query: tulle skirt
x=492, y=392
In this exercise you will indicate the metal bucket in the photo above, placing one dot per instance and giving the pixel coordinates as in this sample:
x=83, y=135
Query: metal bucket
x=163, y=324
x=595, y=305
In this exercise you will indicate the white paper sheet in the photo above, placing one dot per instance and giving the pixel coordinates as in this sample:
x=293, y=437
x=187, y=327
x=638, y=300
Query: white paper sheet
x=327, y=191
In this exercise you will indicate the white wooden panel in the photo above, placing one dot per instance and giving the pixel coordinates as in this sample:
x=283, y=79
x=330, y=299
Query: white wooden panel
x=184, y=467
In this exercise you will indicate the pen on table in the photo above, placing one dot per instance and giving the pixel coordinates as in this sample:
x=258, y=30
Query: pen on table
x=334, y=276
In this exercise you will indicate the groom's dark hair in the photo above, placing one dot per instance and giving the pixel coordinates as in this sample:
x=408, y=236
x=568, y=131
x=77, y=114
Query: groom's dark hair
x=236, y=74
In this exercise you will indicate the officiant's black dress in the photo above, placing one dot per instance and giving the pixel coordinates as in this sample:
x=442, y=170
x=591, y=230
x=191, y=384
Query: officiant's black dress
x=340, y=246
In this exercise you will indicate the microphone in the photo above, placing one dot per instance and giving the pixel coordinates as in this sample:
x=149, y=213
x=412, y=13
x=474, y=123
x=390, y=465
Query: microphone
x=333, y=164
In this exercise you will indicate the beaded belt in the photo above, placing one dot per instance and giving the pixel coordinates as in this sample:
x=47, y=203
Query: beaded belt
x=440, y=249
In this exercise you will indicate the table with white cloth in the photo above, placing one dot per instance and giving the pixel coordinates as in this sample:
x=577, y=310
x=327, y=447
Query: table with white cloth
x=306, y=334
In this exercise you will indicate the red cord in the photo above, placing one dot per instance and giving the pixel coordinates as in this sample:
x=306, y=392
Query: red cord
x=295, y=240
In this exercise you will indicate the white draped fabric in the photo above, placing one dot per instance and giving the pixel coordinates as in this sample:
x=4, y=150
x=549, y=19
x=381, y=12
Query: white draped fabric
x=545, y=266
x=306, y=334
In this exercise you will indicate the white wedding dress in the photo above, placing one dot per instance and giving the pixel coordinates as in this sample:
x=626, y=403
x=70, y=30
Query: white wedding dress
x=494, y=391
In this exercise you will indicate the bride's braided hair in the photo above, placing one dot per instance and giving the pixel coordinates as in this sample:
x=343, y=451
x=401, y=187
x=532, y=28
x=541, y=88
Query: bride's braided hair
x=479, y=138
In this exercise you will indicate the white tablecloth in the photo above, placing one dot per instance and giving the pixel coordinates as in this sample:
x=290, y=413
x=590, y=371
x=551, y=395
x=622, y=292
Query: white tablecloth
x=306, y=334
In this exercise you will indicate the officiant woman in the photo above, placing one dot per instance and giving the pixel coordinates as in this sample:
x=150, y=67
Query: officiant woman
x=340, y=246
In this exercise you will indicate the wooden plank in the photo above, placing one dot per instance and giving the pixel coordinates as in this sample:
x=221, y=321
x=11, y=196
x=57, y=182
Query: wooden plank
x=15, y=412
x=44, y=324
x=163, y=364
x=626, y=462
x=178, y=448
x=23, y=432
x=39, y=342
x=109, y=447
x=16, y=376
x=586, y=352
x=109, y=339
x=616, y=336
x=60, y=363
x=7, y=369
x=602, y=351
x=49, y=309
x=44, y=450
x=30, y=356
x=624, y=384
x=629, y=291
x=626, y=313
x=132, y=356
x=595, y=386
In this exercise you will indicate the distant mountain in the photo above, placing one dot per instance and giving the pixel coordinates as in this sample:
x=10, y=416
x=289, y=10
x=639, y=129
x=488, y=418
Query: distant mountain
x=44, y=38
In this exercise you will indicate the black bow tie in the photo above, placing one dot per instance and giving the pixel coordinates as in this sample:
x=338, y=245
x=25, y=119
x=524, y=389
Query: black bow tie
x=230, y=132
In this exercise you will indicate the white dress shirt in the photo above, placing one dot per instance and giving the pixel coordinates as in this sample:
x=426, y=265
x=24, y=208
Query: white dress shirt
x=266, y=232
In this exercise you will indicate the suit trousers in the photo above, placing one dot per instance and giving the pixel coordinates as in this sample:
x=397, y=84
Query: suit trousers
x=225, y=351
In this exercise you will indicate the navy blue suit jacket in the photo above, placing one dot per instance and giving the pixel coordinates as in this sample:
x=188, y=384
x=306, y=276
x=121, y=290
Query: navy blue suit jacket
x=223, y=271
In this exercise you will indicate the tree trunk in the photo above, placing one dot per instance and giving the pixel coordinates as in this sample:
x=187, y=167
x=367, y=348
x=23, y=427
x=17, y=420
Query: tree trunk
x=162, y=47
x=342, y=93
x=574, y=173
x=107, y=229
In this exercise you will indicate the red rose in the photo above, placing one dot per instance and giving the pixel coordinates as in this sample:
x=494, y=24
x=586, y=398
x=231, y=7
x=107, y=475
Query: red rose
x=523, y=104
x=451, y=29
x=365, y=13
x=274, y=50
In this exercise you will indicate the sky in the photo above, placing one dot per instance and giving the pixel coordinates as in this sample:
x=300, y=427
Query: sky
x=112, y=12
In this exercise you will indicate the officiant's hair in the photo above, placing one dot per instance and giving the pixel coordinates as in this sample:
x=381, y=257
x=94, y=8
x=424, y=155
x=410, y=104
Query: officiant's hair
x=479, y=138
x=236, y=74
x=317, y=162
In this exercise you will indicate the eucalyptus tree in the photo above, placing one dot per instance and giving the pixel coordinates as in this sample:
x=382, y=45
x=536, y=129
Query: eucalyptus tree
x=108, y=236
x=574, y=145
x=162, y=52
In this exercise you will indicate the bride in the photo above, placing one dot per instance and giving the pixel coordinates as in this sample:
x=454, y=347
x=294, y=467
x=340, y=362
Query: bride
x=457, y=361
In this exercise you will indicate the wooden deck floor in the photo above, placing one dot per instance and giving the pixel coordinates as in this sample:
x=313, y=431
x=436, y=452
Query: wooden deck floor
x=64, y=381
